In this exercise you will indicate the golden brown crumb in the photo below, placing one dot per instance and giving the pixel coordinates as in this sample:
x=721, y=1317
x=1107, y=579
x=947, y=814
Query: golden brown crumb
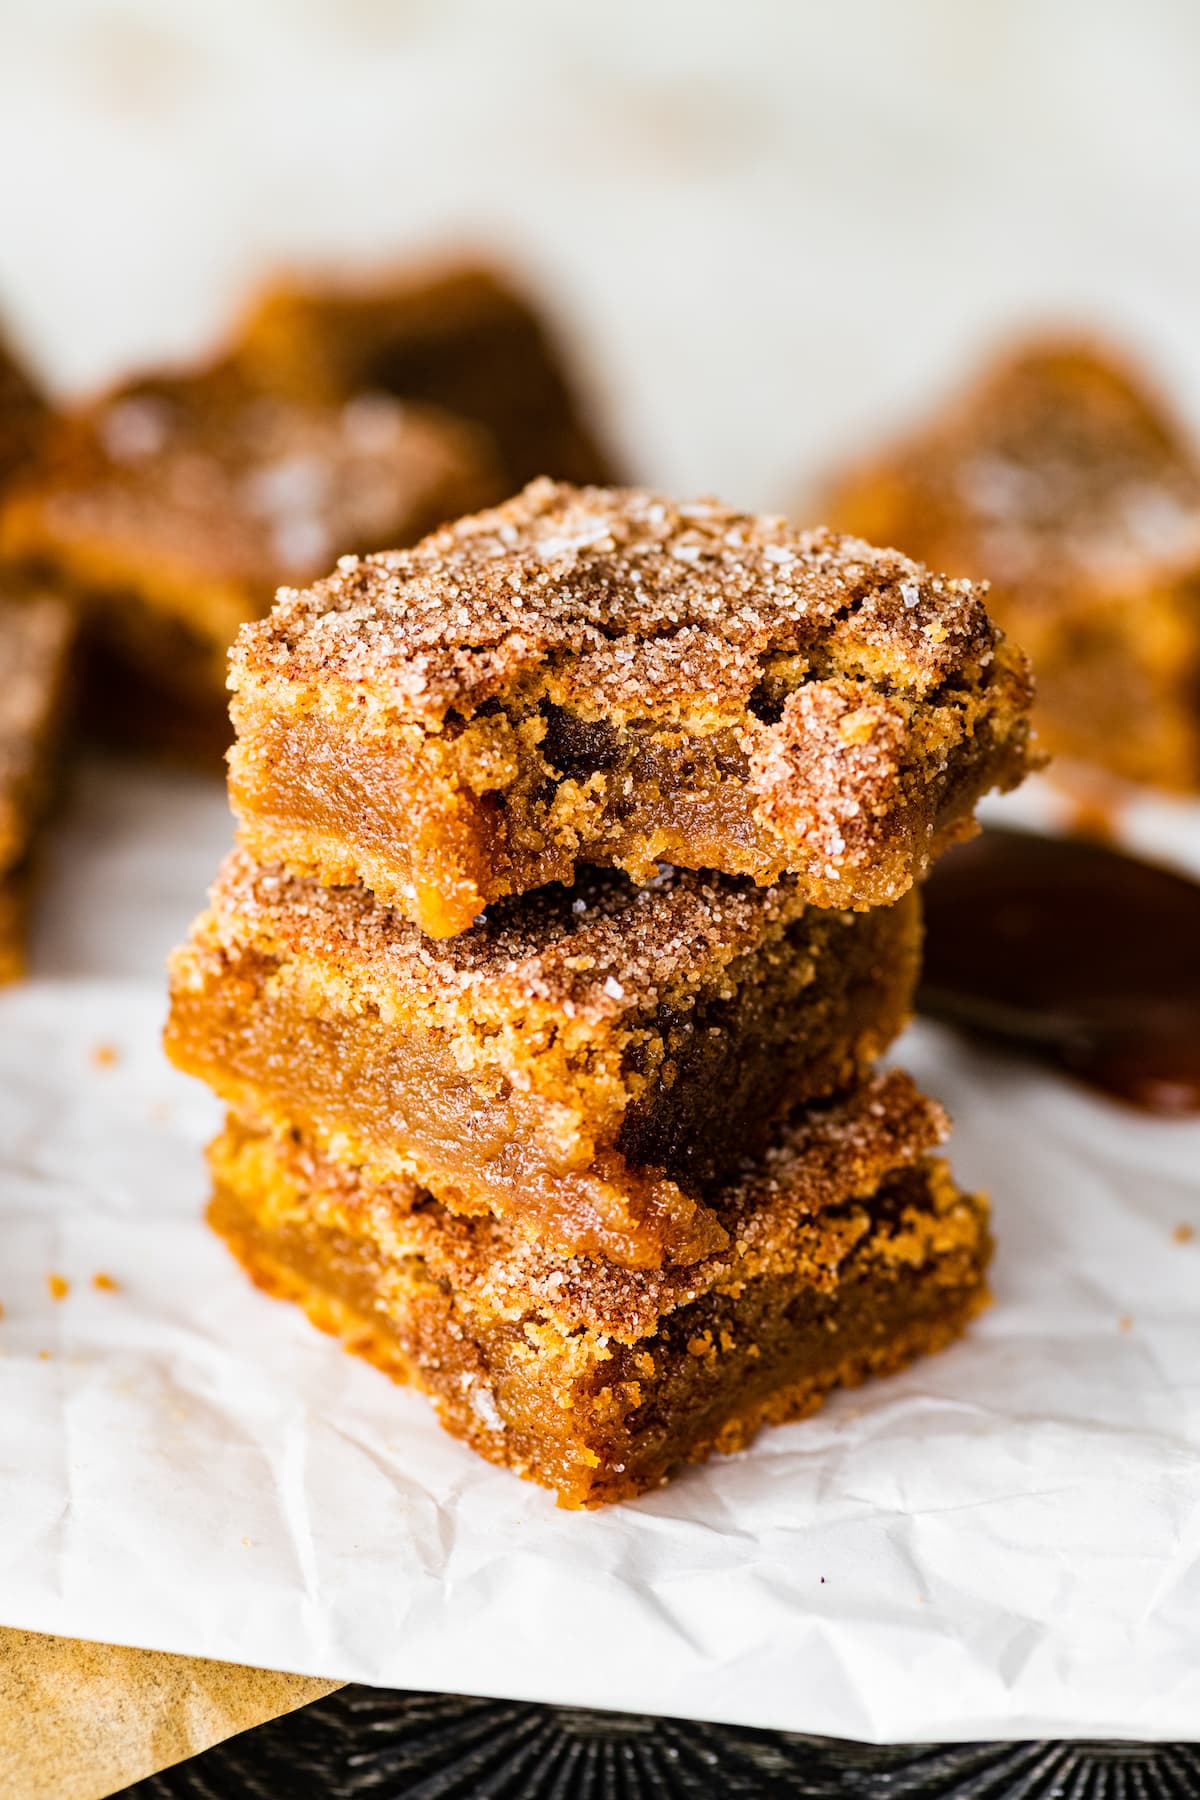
x=105, y=1056
x=1184, y=1233
x=59, y=1286
x=105, y=1284
x=1125, y=1322
x=45, y=1355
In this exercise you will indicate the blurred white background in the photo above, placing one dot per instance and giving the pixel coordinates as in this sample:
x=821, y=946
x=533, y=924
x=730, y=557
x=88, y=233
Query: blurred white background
x=773, y=224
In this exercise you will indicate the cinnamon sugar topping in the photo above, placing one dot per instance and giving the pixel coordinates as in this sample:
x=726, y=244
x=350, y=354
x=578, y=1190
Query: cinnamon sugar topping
x=637, y=604
x=604, y=947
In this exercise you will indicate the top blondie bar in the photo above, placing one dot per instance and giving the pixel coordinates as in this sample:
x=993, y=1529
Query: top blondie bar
x=591, y=675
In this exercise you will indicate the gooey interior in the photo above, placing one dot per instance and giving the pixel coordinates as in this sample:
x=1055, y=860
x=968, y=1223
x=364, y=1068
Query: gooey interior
x=441, y=825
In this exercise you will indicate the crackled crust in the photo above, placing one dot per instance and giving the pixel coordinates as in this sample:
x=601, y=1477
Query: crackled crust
x=853, y=1251
x=555, y=1064
x=601, y=676
x=1061, y=476
x=455, y=334
x=174, y=507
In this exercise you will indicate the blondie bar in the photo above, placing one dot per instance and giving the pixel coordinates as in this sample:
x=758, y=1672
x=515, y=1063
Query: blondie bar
x=851, y=1251
x=1062, y=478
x=172, y=510
x=599, y=676
x=587, y=1063
x=456, y=335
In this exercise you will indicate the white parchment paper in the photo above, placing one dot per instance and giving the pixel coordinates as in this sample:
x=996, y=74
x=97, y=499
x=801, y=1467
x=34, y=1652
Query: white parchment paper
x=1003, y=1541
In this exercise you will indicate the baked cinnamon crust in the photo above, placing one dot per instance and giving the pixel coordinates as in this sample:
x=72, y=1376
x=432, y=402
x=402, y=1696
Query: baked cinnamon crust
x=601, y=676
x=852, y=1251
x=1063, y=478
x=172, y=509
x=587, y=1063
x=456, y=335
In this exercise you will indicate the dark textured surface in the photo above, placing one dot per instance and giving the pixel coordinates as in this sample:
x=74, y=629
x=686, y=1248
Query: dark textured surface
x=365, y=1741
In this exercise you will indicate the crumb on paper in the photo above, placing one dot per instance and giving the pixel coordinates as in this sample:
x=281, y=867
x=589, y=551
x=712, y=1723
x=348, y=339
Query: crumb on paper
x=1184, y=1233
x=58, y=1286
x=105, y=1284
x=1125, y=1322
x=248, y=1542
x=104, y=1055
x=45, y=1355
x=1, y=1309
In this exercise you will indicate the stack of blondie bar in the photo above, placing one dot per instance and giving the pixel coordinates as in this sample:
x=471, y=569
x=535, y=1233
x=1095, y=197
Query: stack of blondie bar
x=573, y=906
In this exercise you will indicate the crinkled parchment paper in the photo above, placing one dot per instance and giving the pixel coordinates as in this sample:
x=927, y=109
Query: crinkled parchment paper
x=1003, y=1541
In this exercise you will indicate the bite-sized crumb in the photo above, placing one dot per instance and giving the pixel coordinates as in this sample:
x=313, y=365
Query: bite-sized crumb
x=59, y=1287
x=1184, y=1233
x=105, y=1284
x=1125, y=1322
x=104, y=1056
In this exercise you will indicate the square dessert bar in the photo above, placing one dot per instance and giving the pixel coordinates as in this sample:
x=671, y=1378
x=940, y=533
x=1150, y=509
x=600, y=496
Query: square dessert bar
x=587, y=1063
x=1061, y=477
x=456, y=335
x=172, y=510
x=850, y=1251
x=598, y=676
x=37, y=633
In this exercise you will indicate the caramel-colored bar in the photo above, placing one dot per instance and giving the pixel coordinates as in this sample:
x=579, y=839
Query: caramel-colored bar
x=589, y=1063
x=601, y=676
x=853, y=1251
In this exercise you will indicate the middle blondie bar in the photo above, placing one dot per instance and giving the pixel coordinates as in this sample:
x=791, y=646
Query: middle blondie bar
x=585, y=1063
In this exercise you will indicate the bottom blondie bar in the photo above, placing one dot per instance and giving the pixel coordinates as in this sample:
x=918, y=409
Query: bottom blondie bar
x=851, y=1252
